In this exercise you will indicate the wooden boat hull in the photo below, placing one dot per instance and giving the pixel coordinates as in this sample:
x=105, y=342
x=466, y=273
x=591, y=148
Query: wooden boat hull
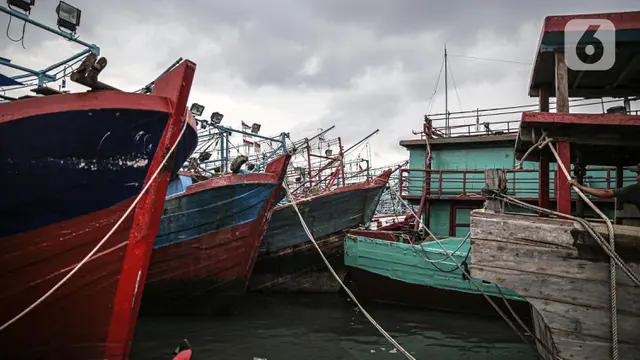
x=300, y=268
x=289, y=262
x=383, y=268
x=79, y=163
x=208, y=241
x=564, y=275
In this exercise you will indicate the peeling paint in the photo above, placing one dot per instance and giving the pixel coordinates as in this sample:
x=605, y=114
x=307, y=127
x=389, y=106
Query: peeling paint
x=104, y=137
x=113, y=163
x=139, y=135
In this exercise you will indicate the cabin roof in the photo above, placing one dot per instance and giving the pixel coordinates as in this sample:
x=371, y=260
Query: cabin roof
x=623, y=79
x=461, y=141
x=598, y=139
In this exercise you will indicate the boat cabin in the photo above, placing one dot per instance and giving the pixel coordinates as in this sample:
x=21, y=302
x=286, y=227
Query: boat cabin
x=583, y=296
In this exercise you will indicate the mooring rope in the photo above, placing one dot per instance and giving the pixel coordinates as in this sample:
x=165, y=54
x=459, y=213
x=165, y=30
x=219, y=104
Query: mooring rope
x=90, y=255
x=610, y=250
x=468, y=276
x=612, y=243
x=366, y=314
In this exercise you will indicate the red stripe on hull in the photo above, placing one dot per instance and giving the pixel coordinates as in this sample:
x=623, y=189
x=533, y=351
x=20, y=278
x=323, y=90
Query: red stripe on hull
x=216, y=263
x=74, y=321
x=175, y=85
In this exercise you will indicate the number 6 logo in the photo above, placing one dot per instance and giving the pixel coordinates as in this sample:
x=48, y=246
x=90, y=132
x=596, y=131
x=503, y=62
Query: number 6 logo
x=590, y=44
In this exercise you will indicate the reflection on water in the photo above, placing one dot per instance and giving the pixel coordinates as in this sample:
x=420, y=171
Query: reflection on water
x=328, y=327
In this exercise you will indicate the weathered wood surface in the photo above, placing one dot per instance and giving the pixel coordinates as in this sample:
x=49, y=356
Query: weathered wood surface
x=562, y=272
x=494, y=180
x=562, y=84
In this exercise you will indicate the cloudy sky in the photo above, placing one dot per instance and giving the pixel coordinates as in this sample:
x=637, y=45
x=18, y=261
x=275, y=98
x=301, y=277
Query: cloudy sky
x=300, y=65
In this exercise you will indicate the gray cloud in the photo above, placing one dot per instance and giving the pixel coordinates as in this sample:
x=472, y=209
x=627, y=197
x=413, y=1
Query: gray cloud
x=300, y=65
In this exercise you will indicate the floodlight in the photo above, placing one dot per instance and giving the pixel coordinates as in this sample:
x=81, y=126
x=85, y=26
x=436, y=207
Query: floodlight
x=328, y=152
x=24, y=5
x=255, y=128
x=197, y=109
x=216, y=118
x=68, y=16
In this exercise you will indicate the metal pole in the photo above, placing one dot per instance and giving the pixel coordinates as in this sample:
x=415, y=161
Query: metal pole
x=223, y=128
x=361, y=141
x=341, y=159
x=226, y=164
x=446, y=94
x=223, y=164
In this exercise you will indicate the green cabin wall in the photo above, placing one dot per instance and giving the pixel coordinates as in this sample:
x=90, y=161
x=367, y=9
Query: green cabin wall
x=467, y=158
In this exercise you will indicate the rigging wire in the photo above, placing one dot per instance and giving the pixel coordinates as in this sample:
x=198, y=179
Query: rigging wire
x=490, y=59
x=435, y=89
x=454, y=87
x=24, y=29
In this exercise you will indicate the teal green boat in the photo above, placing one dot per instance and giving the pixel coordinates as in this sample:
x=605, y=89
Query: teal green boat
x=384, y=266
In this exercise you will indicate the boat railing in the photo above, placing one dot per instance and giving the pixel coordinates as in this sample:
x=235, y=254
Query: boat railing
x=468, y=184
x=484, y=128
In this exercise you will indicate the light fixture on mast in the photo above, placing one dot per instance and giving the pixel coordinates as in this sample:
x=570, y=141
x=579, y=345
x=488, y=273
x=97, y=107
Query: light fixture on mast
x=68, y=16
x=196, y=109
x=255, y=128
x=24, y=5
x=216, y=118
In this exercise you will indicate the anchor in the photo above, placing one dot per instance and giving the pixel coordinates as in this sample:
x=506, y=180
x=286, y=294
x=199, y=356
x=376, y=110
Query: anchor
x=87, y=73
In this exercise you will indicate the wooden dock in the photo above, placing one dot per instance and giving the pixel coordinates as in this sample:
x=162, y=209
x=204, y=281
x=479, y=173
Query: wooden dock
x=564, y=274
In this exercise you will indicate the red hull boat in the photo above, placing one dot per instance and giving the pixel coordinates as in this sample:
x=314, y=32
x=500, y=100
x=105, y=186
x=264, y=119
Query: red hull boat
x=209, y=239
x=73, y=165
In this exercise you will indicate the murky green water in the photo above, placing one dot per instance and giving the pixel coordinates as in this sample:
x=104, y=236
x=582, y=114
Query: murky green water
x=328, y=327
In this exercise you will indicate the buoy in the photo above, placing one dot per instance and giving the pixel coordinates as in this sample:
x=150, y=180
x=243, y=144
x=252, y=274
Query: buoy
x=183, y=351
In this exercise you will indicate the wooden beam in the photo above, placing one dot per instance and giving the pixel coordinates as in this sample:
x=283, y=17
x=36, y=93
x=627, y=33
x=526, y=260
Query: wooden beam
x=562, y=84
x=543, y=99
x=494, y=181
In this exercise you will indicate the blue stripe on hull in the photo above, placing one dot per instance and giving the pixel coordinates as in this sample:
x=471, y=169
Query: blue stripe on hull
x=58, y=166
x=323, y=215
x=199, y=213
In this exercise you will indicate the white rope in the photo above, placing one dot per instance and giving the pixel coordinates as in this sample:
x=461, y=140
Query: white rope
x=413, y=246
x=366, y=314
x=585, y=224
x=88, y=257
x=468, y=276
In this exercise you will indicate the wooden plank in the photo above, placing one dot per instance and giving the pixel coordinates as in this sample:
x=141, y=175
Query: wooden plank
x=586, y=323
x=593, y=295
x=526, y=229
x=577, y=349
x=542, y=332
x=521, y=229
x=543, y=99
x=544, y=260
x=550, y=262
x=562, y=84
